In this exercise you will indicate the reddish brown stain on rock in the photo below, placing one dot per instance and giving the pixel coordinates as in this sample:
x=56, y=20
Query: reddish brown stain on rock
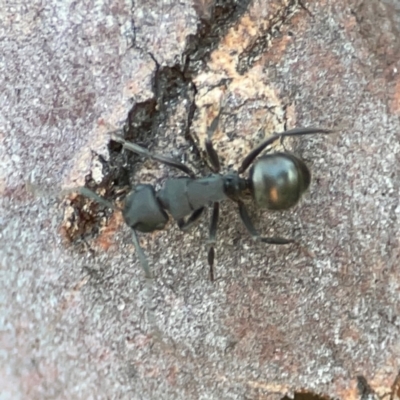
x=395, y=101
x=107, y=234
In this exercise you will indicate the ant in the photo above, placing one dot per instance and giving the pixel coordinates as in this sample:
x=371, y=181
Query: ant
x=275, y=182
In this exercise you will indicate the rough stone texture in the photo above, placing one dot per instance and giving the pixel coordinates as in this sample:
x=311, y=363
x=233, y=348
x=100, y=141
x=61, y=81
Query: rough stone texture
x=321, y=316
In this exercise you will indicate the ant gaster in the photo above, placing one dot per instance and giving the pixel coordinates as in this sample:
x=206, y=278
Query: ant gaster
x=276, y=182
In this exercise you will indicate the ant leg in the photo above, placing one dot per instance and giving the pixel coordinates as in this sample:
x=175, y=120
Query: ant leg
x=211, y=239
x=90, y=195
x=253, y=232
x=141, y=255
x=149, y=289
x=194, y=217
x=292, y=132
x=135, y=148
x=211, y=152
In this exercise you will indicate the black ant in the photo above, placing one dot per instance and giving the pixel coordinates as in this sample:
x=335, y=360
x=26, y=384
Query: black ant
x=276, y=182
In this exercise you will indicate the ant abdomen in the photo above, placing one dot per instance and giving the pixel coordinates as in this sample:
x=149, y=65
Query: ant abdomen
x=278, y=180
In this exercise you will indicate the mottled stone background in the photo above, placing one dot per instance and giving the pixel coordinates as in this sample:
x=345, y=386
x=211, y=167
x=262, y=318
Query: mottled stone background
x=320, y=316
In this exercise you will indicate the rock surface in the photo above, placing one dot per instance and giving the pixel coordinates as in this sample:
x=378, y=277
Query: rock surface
x=77, y=317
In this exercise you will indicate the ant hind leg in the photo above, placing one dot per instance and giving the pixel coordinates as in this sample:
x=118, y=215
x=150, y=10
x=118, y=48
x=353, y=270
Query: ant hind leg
x=194, y=217
x=212, y=239
x=142, y=257
x=141, y=151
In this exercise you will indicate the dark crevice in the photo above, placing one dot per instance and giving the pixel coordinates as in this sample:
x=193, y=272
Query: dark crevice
x=306, y=396
x=214, y=21
x=83, y=217
x=172, y=85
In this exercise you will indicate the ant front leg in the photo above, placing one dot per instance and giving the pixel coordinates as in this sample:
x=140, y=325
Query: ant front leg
x=292, y=132
x=253, y=232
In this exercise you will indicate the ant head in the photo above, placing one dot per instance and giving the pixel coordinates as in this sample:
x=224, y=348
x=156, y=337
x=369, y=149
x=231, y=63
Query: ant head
x=234, y=186
x=278, y=180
